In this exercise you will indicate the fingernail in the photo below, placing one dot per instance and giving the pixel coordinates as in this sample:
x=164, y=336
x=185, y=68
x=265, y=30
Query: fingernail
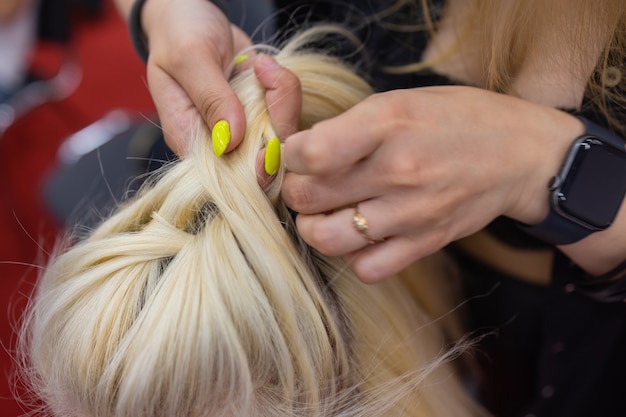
x=272, y=156
x=240, y=58
x=220, y=137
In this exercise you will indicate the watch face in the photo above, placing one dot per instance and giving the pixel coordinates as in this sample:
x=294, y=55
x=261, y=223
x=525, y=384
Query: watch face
x=592, y=184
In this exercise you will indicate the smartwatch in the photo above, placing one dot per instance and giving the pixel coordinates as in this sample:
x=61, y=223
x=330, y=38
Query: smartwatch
x=587, y=193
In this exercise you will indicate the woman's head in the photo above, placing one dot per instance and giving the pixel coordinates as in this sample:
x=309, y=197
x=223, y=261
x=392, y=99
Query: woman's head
x=197, y=298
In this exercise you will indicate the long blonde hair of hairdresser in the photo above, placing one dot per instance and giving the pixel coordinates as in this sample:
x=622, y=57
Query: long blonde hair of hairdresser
x=504, y=33
x=198, y=299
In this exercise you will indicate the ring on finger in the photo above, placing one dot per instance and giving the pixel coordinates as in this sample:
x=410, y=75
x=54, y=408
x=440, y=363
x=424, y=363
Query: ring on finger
x=359, y=222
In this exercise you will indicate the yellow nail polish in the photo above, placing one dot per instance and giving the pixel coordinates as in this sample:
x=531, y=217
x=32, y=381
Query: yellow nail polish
x=272, y=156
x=240, y=58
x=220, y=137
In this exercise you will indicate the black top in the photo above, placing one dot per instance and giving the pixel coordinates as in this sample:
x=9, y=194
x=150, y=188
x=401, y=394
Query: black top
x=554, y=353
x=56, y=17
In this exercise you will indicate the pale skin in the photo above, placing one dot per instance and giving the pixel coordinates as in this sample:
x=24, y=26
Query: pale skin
x=427, y=166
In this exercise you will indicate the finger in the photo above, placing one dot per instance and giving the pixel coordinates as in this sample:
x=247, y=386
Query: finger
x=203, y=76
x=181, y=103
x=241, y=41
x=364, y=180
x=176, y=112
x=245, y=55
x=334, y=144
x=310, y=195
x=346, y=230
x=194, y=45
x=283, y=94
x=219, y=107
x=376, y=263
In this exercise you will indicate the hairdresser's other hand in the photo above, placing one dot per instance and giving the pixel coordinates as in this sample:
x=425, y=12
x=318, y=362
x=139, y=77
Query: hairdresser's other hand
x=192, y=46
x=426, y=167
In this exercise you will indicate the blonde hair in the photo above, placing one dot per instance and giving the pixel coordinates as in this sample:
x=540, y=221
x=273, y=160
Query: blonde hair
x=503, y=34
x=197, y=298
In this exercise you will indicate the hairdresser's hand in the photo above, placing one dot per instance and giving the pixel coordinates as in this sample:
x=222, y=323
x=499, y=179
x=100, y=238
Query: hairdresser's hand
x=192, y=46
x=283, y=98
x=426, y=167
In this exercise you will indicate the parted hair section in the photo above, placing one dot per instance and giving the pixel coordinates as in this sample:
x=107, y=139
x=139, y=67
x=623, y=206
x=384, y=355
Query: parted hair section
x=197, y=298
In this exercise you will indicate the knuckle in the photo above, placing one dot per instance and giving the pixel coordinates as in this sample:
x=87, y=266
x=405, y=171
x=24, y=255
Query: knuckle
x=402, y=217
x=405, y=170
x=297, y=196
x=314, y=153
x=209, y=102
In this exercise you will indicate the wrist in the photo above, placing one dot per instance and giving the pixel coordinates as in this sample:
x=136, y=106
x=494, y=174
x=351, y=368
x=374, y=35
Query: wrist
x=586, y=193
x=141, y=17
x=531, y=200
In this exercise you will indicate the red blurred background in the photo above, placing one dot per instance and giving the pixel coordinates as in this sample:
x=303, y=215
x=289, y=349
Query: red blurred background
x=112, y=78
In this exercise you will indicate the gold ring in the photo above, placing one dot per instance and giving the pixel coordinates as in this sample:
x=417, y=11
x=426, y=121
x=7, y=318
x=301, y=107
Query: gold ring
x=360, y=225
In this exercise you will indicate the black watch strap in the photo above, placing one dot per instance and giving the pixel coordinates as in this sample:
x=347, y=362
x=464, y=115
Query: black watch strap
x=555, y=228
x=135, y=28
x=608, y=136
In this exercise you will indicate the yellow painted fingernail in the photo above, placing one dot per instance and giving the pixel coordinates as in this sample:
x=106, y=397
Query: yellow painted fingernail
x=241, y=58
x=220, y=137
x=272, y=156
